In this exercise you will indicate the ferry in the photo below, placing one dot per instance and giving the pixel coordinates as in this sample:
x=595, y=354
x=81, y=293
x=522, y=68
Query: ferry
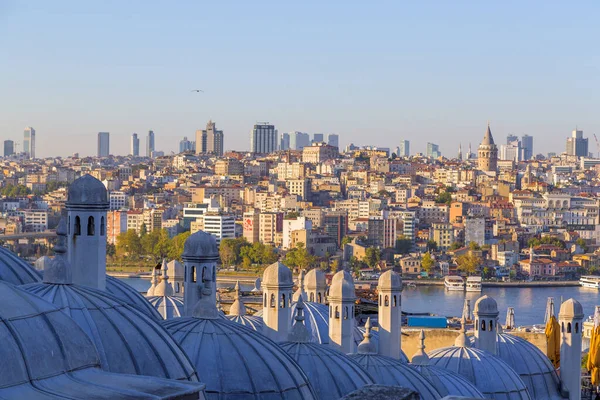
x=454, y=283
x=590, y=281
x=474, y=284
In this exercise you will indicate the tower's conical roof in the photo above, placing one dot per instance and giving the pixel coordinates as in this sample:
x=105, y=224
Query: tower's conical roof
x=488, y=139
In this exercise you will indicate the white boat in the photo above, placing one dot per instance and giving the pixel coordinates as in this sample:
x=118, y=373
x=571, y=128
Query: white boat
x=474, y=284
x=454, y=283
x=590, y=281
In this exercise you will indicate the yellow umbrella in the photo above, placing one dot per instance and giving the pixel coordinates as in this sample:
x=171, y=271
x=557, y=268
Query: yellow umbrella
x=553, y=341
x=593, y=364
x=589, y=365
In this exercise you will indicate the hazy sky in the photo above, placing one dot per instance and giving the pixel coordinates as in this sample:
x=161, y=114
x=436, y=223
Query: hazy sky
x=373, y=72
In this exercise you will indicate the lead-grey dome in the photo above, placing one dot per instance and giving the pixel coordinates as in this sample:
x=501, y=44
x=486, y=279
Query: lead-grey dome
x=236, y=362
x=127, y=341
x=15, y=270
x=492, y=376
x=87, y=191
x=131, y=297
x=202, y=246
x=448, y=383
x=331, y=373
x=167, y=306
x=47, y=356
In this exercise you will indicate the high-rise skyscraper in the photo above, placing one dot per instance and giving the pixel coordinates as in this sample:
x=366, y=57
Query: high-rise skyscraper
x=318, y=137
x=299, y=140
x=135, y=145
x=284, y=142
x=200, y=141
x=29, y=142
x=263, y=138
x=333, y=140
x=511, y=151
x=404, y=148
x=433, y=150
x=150, y=144
x=527, y=145
x=103, y=144
x=577, y=145
x=511, y=138
x=9, y=148
x=186, y=145
x=214, y=139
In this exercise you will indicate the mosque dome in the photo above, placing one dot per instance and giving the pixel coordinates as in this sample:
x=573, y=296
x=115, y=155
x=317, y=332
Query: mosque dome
x=47, y=355
x=342, y=286
x=216, y=346
x=277, y=274
x=492, y=376
x=389, y=371
x=131, y=297
x=87, y=191
x=237, y=313
x=533, y=366
x=127, y=340
x=485, y=305
x=448, y=383
x=15, y=270
x=390, y=279
x=571, y=309
x=201, y=245
x=331, y=373
x=315, y=279
x=167, y=306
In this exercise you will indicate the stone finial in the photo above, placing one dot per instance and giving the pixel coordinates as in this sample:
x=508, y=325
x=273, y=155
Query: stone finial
x=59, y=270
x=164, y=288
x=300, y=291
x=462, y=340
x=206, y=307
x=367, y=346
x=420, y=357
x=154, y=281
x=299, y=333
x=238, y=307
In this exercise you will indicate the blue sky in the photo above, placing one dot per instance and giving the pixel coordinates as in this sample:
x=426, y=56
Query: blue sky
x=372, y=72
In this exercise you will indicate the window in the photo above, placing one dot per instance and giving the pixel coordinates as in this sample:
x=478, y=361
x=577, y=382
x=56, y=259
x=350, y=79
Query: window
x=69, y=226
x=102, y=228
x=282, y=302
x=576, y=327
x=193, y=274
x=91, y=227
x=569, y=327
x=337, y=312
x=265, y=300
x=320, y=298
x=272, y=304
x=330, y=311
x=395, y=304
x=387, y=301
x=77, y=227
x=379, y=299
x=491, y=325
x=483, y=325
x=312, y=297
x=346, y=312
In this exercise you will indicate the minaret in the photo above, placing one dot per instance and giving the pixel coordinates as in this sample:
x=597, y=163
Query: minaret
x=341, y=312
x=487, y=154
x=315, y=286
x=420, y=357
x=367, y=346
x=87, y=203
x=200, y=256
x=460, y=155
x=300, y=291
x=469, y=154
x=277, y=287
x=154, y=281
x=238, y=307
x=486, y=324
x=390, y=314
x=570, y=319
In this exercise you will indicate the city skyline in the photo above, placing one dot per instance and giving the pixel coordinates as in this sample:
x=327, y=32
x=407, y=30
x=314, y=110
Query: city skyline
x=439, y=86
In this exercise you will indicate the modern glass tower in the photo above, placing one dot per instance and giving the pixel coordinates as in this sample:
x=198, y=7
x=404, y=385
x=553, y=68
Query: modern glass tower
x=150, y=144
x=135, y=145
x=103, y=144
x=29, y=142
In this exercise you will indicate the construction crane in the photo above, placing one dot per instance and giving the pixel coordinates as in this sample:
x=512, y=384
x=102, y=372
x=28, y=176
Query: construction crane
x=597, y=144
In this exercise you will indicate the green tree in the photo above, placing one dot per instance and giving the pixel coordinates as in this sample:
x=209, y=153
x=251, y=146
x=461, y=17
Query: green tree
x=581, y=243
x=227, y=252
x=149, y=241
x=346, y=240
x=468, y=263
x=474, y=246
x=292, y=215
x=335, y=265
x=299, y=257
x=403, y=245
x=444, y=197
x=143, y=230
x=427, y=262
x=163, y=245
x=129, y=245
x=111, y=250
x=372, y=256
x=432, y=245
x=177, y=244
x=456, y=245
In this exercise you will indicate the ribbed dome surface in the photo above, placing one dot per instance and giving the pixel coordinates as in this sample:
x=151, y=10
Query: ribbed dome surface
x=391, y=372
x=250, y=321
x=331, y=373
x=127, y=341
x=131, y=297
x=448, y=383
x=167, y=306
x=534, y=368
x=45, y=355
x=15, y=270
x=316, y=320
x=492, y=376
x=236, y=362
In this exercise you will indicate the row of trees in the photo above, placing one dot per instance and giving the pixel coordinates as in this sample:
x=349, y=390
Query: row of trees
x=467, y=263
x=22, y=190
x=239, y=252
x=154, y=245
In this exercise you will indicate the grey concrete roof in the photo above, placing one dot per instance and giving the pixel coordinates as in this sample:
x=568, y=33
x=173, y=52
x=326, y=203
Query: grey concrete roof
x=15, y=270
x=236, y=362
x=167, y=306
x=331, y=373
x=391, y=372
x=448, y=383
x=127, y=341
x=492, y=376
x=131, y=297
x=45, y=355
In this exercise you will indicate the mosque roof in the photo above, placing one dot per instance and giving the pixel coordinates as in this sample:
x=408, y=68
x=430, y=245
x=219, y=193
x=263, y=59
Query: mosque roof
x=250, y=321
x=201, y=245
x=47, y=356
x=87, y=191
x=15, y=270
x=448, y=383
x=131, y=297
x=315, y=279
x=237, y=362
x=342, y=286
x=277, y=274
x=485, y=305
x=390, y=280
x=127, y=340
x=167, y=306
